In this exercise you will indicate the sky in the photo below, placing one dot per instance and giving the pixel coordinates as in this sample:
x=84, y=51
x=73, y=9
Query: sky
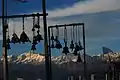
x=101, y=18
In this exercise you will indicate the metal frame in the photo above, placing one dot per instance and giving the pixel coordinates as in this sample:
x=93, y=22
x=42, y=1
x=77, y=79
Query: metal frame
x=5, y=61
x=84, y=50
x=23, y=15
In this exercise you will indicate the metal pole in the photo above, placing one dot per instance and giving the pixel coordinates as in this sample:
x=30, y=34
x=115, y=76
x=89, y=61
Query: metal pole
x=45, y=41
x=85, y=73
x=50, y=68
x=5, y=61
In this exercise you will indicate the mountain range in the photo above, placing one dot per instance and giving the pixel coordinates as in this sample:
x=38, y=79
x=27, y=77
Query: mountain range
x=30, y=65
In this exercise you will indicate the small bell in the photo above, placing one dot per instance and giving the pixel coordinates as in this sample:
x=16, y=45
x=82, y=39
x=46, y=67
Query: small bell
x=77, y=47
x=36, y=26
x=24, y=38
x=56, y=38
x=52, y=37
x=80, y=46
x=58, y=45
x=8, y=46
x=15, y=38
x=39, y=37
x=34, y=40
x=65, y=49
x=33, y=47
x=72, y=45
x=79, y=59
x=8, y=40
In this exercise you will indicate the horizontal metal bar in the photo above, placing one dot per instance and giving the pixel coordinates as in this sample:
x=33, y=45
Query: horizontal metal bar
x=23, y=15
x=73, y=24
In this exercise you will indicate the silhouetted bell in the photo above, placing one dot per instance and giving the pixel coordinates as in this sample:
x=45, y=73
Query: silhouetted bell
x=80, y=46
x=65, y=49
x=36, y=26
x=15, y=38
x=8, y=40
x=52, y=37
x=33, y=47
x=77, y=47
x=34, y=40
x=58, y=45
x=79, y=59
x=39, y=37
x=8, y=46
x=72, y=45
x=24, y=38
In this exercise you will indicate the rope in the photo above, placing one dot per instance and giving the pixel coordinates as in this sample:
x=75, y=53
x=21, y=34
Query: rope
x=73, y=34
x=23, y=23
x=52, y=31
x=13, y=26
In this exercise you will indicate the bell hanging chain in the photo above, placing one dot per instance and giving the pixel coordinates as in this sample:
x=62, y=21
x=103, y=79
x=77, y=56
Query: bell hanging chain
x=23, y=23
x=58, y=44
x=52, y=38
x=34, y=37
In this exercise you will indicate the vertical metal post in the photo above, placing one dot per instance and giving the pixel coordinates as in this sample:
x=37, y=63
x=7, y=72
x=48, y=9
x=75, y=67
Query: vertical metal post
x=45, y=41
x=85, y=73
x=50, y=68
x=5, y=61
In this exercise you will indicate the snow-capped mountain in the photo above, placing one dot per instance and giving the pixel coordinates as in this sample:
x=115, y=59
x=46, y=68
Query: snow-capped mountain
x=34, y=58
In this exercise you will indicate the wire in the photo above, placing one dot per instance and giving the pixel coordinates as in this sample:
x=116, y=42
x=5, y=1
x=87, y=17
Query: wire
x=23, y=23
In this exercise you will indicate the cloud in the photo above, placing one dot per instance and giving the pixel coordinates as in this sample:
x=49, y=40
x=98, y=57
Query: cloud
x=100, y=27
x=89, y=6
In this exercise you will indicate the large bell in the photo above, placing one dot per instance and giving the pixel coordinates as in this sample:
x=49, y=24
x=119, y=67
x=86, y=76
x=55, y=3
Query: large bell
x=58, y=45
x=72, y=45
x=33, y=47
x=79, y=59
x=24, y=38
x=39, y=37
x=15, y=38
